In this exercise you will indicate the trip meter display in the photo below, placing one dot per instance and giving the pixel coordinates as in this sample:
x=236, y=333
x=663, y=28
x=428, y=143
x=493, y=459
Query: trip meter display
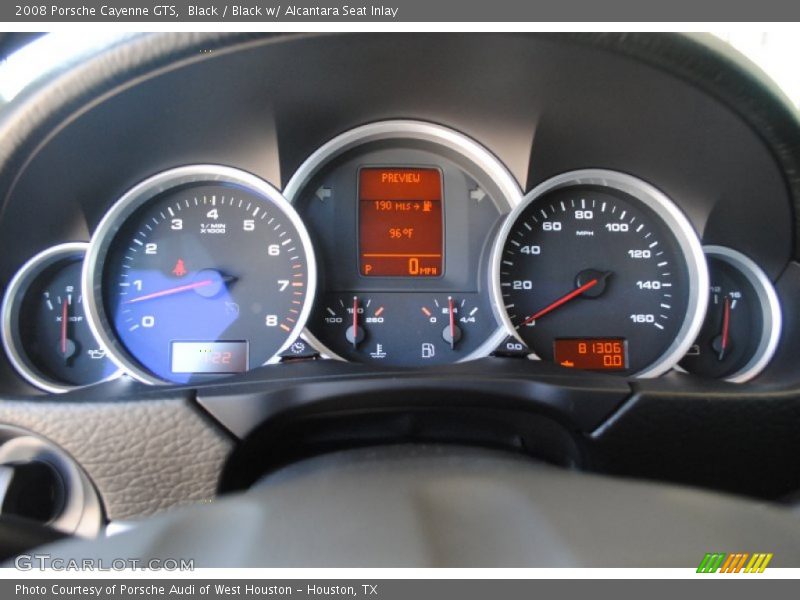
x=400, y=222
x=599, y=270
x=592, y=354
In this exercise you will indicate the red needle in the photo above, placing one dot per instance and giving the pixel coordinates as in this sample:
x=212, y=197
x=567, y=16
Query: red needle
x=726, y=326
x=452, y=322
x=563, y=300
x=170, y=291
x=355, y=321
x=64, y=314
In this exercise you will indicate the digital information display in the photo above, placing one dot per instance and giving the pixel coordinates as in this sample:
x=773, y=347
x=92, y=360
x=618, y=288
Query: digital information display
x=592, y=354
x=209, y=357
x=400, y=231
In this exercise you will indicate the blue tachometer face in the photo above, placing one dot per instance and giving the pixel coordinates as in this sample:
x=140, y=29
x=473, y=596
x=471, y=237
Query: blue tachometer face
x=205, y=279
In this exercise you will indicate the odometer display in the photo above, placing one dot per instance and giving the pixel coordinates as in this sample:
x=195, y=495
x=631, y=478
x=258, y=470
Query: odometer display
x=197, y=272
x=591, y=354
x=597, y=256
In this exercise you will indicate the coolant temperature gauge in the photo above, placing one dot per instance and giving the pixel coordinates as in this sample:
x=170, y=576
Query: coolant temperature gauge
x=743, y=321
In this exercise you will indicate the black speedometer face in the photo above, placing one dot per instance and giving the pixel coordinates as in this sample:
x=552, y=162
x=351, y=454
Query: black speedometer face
x=203, y=279
x=601, y=277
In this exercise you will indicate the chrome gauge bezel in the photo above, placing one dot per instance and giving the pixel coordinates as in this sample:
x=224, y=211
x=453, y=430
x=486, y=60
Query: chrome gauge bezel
x=128, y=204
x=666, y=210
x=12, y=304
x=401, y=129
x=768, y=303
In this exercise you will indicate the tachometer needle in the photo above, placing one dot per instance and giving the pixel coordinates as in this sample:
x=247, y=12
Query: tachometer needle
x=726, y=326
x=563, y=300
x=171, y=291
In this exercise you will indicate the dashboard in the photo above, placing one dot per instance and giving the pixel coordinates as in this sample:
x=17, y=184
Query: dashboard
x=586, y=230
x=428, y=254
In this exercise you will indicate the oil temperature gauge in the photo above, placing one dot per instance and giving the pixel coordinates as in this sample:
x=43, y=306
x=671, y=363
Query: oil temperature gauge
x=45, y=332
x=743, y=322
x=406, y=330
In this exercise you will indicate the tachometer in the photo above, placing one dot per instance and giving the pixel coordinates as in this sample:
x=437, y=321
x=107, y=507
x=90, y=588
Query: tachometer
x=197, y=272
x=599, y=270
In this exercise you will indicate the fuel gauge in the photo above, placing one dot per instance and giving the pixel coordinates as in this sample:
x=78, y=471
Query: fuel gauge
x=743, y=321
x=453, y=316
x=45, y=332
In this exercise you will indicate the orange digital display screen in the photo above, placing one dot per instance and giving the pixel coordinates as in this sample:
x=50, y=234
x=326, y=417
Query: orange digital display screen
x=592, y=354
x=400, y=222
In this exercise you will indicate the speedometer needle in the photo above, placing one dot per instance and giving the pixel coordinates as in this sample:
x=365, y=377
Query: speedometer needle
x=565, y=298
x=171, y=291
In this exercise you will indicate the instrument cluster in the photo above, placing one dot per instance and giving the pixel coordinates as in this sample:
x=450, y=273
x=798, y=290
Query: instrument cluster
x=397, y=244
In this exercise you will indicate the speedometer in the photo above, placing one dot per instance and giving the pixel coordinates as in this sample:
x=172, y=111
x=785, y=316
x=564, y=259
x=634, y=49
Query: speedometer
x=599, y=270
x=198, y=272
